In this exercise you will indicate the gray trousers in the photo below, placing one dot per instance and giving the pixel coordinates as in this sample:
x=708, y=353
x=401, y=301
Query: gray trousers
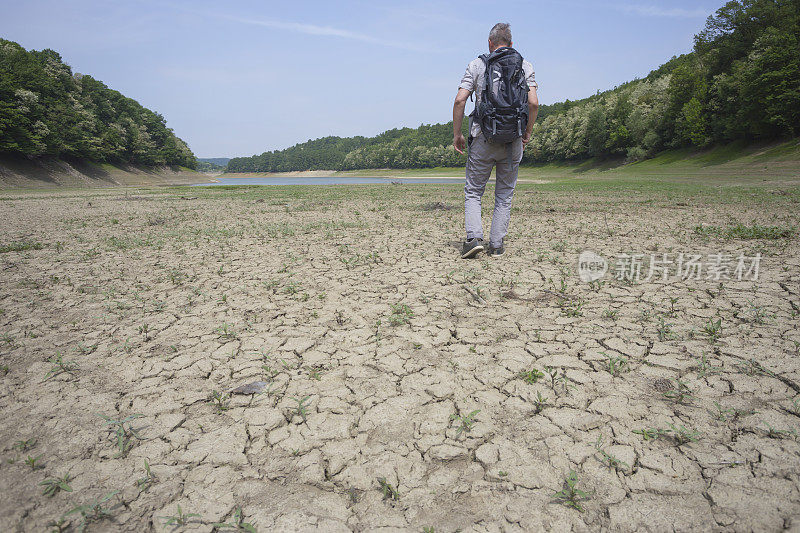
x=484, y=155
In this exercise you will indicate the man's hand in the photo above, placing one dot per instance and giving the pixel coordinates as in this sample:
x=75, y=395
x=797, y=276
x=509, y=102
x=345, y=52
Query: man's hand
x=533, y=112
x=459, y=143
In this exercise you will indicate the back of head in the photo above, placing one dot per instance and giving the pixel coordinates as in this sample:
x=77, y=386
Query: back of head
x=501, y=34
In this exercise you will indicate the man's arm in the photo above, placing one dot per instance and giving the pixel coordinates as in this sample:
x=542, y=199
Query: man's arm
x=533, y=110
x=458, y=118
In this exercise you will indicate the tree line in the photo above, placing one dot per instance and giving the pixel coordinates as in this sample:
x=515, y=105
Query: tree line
x=46, y=110
x=740, y=82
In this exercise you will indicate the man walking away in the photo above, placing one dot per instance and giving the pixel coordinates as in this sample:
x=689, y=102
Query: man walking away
x=500, y=126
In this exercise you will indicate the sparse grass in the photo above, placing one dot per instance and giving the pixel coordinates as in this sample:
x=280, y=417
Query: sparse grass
x=401, y=314
x=650, y=433
x=389, y=492
x=95, y=511
x=54, y=485
x=609, y=459
x=679, y=393
x=226, y=331
x=571, y=495
x=179, y=519
x=743, y=232
x=683, y=435
x=751, y=367
x=610, y=313
x=756, y=314
x=60, y=367
x=713, y=329
x=220, y=400
x=680, y=434
x=539, y=403
x=704, y=368
x=571, y=308
x=774, y=433
x=24, y=445
x=237, y=523
x=123, y=431
x=144, y=483
x=20, y=246
x=34, y=462
x=664, y=330
x=531, y=376
x=465, y=423
x=616, y=364
x=301, y=409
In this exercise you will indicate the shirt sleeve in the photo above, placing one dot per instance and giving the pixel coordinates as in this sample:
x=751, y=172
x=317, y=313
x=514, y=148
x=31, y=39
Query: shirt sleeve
x=531, y=78
x=468, y=81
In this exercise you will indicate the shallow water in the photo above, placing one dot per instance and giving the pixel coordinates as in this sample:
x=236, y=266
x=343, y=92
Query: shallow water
x=321, y=180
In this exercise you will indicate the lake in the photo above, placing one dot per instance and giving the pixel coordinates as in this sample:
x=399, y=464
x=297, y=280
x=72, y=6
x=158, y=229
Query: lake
x=323, y=180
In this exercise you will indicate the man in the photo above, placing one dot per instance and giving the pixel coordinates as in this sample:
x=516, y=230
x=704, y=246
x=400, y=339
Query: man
x=484, y=154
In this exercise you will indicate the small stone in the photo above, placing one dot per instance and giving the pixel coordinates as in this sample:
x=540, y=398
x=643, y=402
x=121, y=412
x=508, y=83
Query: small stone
x=251, y=388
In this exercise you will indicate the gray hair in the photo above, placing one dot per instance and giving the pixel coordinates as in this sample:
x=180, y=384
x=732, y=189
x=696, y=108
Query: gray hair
x=501, y=34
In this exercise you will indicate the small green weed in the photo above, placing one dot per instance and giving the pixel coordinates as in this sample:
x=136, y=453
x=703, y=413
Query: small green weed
x=609, y=459
x=20, y=246
x=705, y=368
x=713, y=329
x=220, y=400
x=34, y=462
x=301, y=409
x=24, y=445
x=60, y=367
x=616, y=364
x=539, y=403
x=680, y=393
x=237, y=523
x=465, y=422
x=531, y=376
x=180, y=519
x=149, y=478
x=95, y=511
x=53, y=485
x=401, y=314
x=123, y=431
x=571, y=495
x=389, y=492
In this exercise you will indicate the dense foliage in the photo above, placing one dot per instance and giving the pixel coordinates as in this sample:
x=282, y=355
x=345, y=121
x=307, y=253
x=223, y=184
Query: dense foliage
x=207, y=166
x=45, y=109
x=742, y=81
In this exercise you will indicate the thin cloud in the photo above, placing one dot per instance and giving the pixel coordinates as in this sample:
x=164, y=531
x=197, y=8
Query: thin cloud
x=307, y=29
x=655, y=11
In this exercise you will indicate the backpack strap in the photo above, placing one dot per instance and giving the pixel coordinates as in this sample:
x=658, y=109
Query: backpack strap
x=485, y=81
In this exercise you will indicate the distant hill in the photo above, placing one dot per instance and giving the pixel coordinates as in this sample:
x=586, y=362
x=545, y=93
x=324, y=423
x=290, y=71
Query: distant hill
x=740, y=83
x=218, y=161
x=47, y=111
x=212, y=164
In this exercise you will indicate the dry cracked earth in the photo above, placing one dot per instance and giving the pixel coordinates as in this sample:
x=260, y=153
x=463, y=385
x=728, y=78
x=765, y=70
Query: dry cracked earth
x=404, y=389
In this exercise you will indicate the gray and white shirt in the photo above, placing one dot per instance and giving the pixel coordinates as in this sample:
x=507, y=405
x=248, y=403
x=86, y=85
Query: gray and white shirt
x=472, y=82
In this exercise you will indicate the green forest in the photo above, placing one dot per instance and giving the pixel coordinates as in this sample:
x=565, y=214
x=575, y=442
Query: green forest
x=740, y=82
x=47, y=110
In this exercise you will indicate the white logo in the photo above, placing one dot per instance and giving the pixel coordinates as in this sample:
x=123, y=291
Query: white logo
x=591, y=266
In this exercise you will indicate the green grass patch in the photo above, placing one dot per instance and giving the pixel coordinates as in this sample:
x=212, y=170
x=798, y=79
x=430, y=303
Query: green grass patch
x=743, y=232
x=20, y=246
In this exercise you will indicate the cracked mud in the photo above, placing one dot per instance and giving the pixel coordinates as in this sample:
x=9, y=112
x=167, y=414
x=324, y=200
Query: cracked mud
x=471, y=388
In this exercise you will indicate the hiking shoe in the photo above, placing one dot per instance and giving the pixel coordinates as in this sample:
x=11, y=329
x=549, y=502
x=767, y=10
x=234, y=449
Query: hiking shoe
x=471, y=248
x=496, y=252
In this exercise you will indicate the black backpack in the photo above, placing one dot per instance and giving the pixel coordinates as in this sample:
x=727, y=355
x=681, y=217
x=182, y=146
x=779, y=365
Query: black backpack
x=502, y=111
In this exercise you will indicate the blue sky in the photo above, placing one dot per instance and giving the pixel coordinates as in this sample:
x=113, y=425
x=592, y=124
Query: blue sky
x=238, y=78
